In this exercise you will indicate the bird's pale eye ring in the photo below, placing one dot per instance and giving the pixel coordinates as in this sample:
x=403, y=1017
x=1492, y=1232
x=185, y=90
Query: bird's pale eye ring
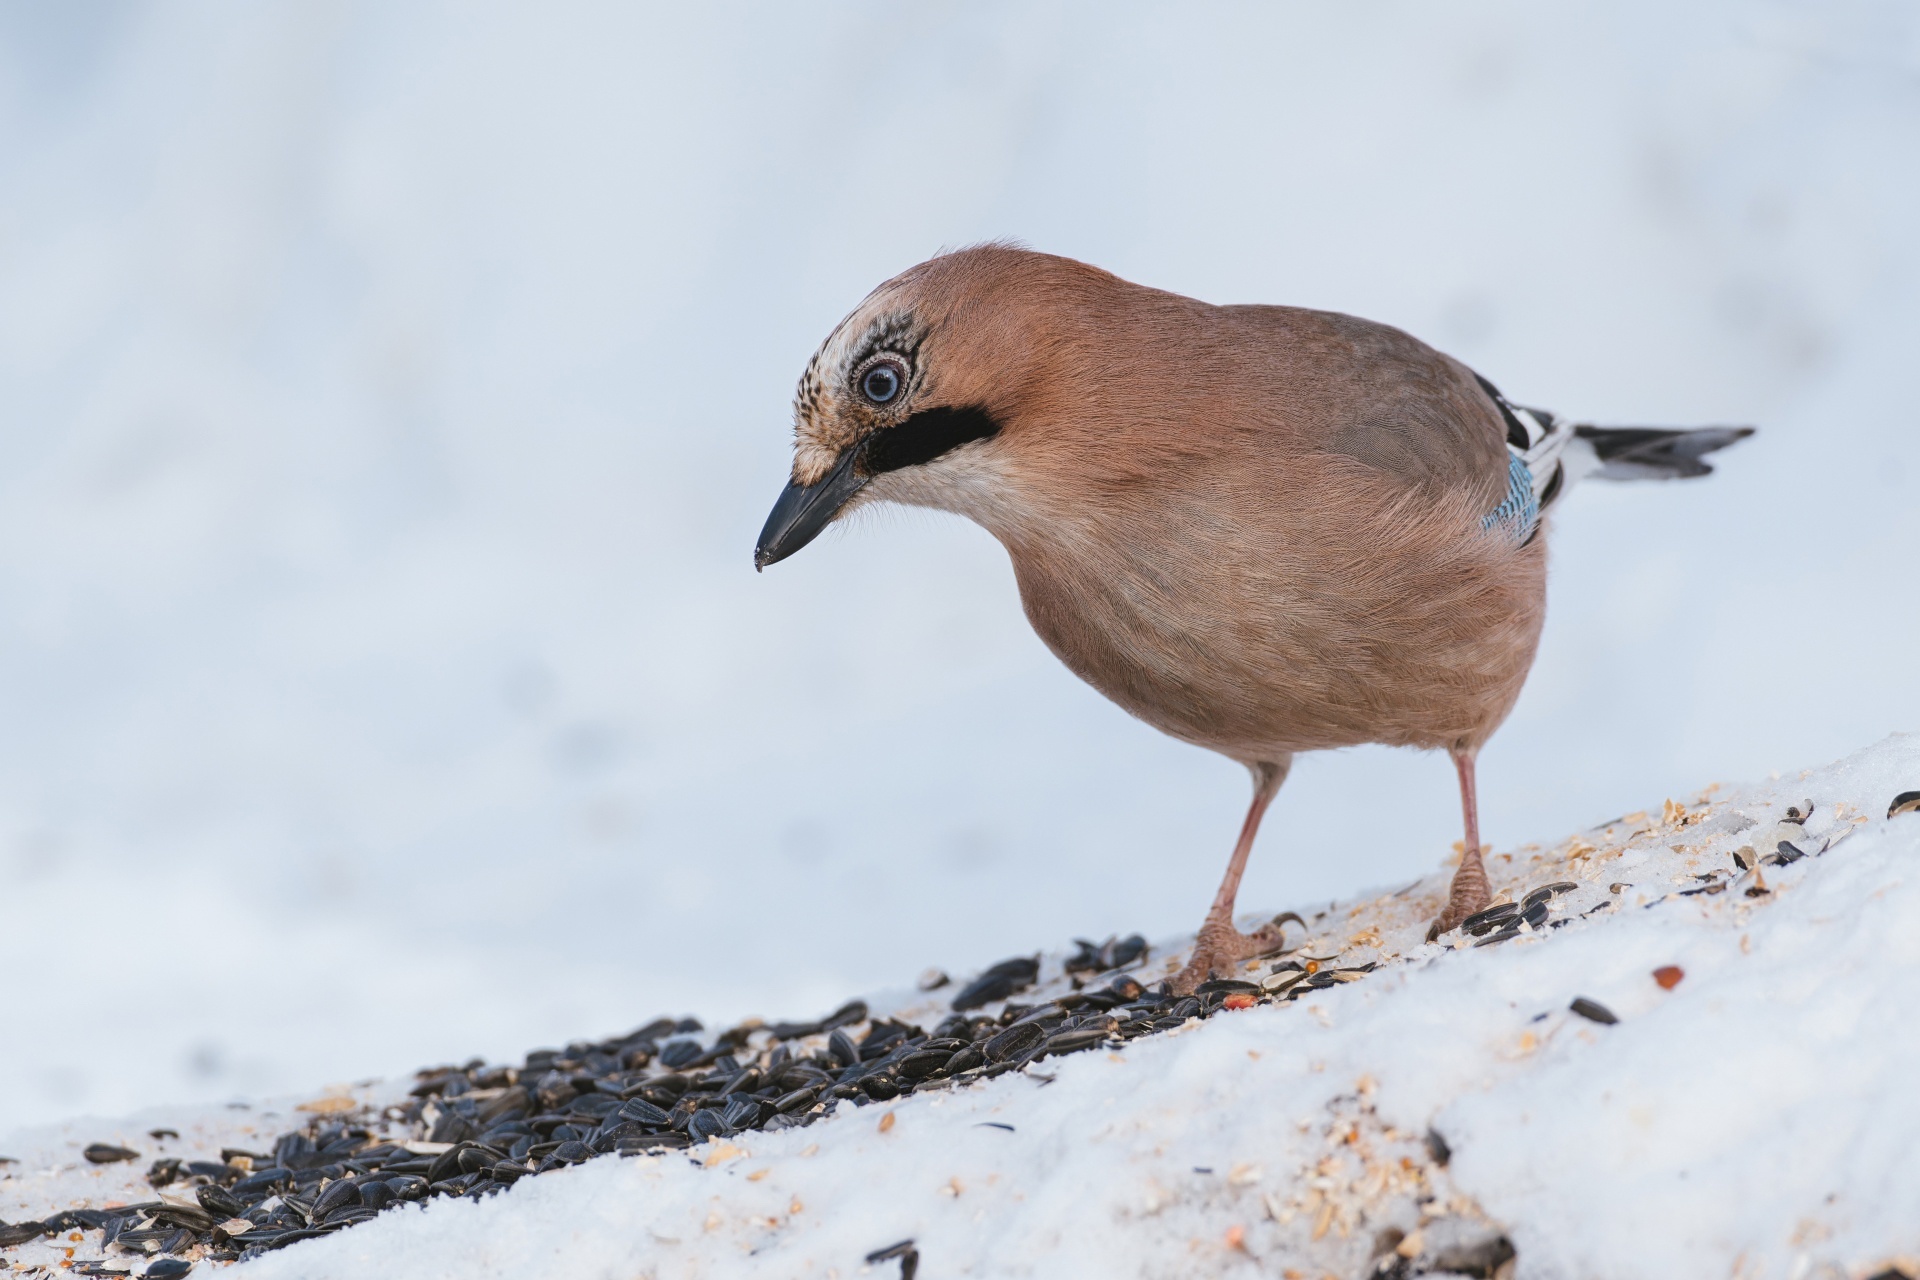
x=882, y=381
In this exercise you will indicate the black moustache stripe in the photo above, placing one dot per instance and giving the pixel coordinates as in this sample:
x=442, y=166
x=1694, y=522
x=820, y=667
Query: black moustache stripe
x=927, y=435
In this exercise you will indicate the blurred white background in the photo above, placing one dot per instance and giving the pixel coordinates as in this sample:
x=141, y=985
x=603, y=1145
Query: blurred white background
x=390, y=395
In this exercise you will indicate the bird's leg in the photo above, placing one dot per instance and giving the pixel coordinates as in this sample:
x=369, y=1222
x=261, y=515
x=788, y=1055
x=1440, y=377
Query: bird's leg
x=1220, y=946
x=1470, y=892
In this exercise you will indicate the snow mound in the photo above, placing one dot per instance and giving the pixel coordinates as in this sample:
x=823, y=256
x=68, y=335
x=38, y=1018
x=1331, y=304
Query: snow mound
x=1749, y=1113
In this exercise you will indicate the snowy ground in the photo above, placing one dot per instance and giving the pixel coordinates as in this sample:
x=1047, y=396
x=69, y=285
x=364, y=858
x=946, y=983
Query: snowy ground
x=1753, y=1119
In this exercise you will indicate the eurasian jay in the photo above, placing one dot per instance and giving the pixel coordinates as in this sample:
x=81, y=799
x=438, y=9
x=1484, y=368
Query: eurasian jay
x=1263, y=530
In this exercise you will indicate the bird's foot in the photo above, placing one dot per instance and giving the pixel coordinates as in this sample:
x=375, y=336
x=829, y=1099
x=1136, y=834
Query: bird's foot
x=1470, y=893
x=1220, y=948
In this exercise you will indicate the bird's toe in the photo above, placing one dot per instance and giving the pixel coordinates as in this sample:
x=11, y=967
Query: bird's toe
x=1220, y=949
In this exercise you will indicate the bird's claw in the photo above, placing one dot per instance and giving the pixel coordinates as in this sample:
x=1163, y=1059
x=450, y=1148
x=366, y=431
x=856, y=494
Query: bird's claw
x=1459, y=907
x=1220, y=947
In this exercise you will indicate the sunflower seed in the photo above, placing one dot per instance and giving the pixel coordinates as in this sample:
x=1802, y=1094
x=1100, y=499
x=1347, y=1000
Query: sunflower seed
x=1482, y=922
x=1593, y=1010
x=997, y=983
x=107, y=1153
x=1074, y=1041
x=1015, y=1040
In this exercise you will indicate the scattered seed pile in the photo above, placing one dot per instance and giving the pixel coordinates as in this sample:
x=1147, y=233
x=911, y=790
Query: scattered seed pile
x=474, y=1130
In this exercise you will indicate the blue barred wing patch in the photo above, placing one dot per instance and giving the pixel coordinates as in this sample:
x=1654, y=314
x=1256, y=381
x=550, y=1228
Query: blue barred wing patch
x=1536, y=475
x=1519, y=512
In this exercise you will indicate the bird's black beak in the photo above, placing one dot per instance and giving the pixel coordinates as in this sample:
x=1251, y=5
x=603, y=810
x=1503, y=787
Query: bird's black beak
x=804, y=510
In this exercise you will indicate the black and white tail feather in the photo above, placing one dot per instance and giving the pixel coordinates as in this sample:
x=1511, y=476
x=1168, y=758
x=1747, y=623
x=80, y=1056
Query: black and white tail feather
x=1547, y=455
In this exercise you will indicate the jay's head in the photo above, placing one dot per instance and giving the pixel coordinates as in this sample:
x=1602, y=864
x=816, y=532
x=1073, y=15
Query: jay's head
x=909, y=398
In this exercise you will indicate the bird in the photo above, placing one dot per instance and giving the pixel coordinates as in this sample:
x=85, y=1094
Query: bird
x=1263, y=530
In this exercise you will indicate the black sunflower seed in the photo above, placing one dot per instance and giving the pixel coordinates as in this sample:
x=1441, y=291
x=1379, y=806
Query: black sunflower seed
x=337, y=1195
x=923, y=1063
x=640, y=1111
x=445, y=1165
x=965, y=1060
x=1482, y=922
x=107, y=1153
x=219, y=1202
x=1014, y=1041
x=1086, y=959
x=408, y=1187
x=741, y=1112
x=451, y=1127
x=1546, y=891
x=1592, y=1010
x=841, y=1048
x=997, y=983
x=1076, y=1040
x=680, y=1053
x=594, y=1105
x=218, y=1170
x=879, y=1039
x=183, y=1218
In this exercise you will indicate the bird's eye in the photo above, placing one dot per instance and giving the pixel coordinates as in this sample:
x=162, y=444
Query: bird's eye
x=881, y=383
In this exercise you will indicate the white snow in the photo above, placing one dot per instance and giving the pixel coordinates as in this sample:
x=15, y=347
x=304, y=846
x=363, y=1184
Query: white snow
x=1757, y=1120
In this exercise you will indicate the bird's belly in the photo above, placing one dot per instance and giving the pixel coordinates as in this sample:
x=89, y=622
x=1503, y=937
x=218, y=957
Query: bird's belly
x=1258, y=665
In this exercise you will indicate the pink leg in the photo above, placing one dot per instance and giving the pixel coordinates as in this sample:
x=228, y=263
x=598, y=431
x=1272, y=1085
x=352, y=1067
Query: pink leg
x=1470, y=892
x=1220, y=946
